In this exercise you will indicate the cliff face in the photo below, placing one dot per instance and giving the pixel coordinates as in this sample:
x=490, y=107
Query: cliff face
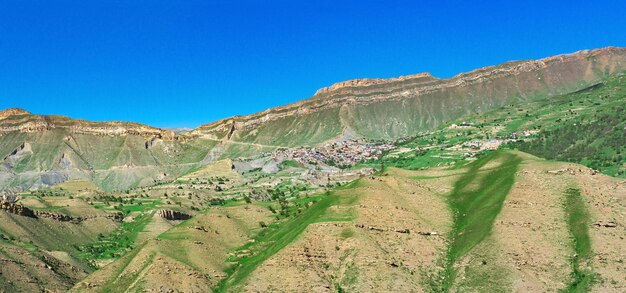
x=38, y=150
x=44, y=150
x=396, y=107
x=22, y=121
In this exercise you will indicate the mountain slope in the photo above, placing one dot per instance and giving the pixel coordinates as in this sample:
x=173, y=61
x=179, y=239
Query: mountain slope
x=41, y=151
x=378, y=234
x=397, y=107
x=391, y=240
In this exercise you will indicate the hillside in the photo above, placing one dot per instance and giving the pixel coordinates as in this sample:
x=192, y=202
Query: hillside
x=43, y=150
x=40, y=151
x=408, y=184
x=398, y=107
x=508, y=221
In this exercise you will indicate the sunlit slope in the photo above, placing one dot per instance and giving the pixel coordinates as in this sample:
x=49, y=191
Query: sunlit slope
x=188, y=258
x=506, y=222
x=398, y=107
x=588, y=127
x=500, y=223
x=42, y=253
x=112, y=162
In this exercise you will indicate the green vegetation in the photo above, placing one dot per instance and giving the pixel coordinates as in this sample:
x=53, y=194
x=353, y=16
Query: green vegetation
x=585, y=127
x=274, y=238
x=118, y=242
x=125, y=280
x=578, y=222
x=419, y=160
x=591, y=129
x=476, y=200
x=597, y=141
x=290, y=163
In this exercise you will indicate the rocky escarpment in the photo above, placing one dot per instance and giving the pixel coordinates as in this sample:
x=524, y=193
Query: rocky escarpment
x=173, y=215
x=21, y=210
x=24, y=149
x=69, y=218
x=12, y=112
x=421, y=102
x=17, y=120
x=17, y=209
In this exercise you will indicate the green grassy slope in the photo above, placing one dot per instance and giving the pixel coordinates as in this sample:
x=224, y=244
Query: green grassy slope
x=578, y=222
x=112, y=162
x=476, y=201
x=586, y=127
x=592, y=132
x=277, y=237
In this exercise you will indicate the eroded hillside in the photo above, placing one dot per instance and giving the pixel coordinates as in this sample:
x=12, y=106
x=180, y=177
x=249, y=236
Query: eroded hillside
x=398, y=107
x=509, y=221
x=318, y=193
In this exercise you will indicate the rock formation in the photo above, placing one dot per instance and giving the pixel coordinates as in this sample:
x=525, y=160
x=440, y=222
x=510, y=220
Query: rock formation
x=426, y=101
x=22, y=121
x=173, y=215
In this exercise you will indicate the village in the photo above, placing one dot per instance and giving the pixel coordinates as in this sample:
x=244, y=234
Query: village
x=342, y=154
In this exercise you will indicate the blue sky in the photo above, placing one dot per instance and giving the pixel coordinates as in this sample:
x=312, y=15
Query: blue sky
x=185, y=63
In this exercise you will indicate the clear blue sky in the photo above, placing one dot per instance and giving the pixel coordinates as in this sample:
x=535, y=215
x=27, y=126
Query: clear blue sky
x=185, y=63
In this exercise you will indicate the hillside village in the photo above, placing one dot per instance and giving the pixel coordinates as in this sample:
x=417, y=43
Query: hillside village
x=340, y=154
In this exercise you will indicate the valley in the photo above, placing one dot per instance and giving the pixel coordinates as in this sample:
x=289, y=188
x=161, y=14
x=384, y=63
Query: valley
x=506, y=178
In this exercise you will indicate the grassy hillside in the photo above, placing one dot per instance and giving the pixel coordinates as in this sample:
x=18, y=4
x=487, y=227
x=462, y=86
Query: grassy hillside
x=586, y=127
x=478, y=217
x=476, y=201
x=112, y=162
x=592, y=135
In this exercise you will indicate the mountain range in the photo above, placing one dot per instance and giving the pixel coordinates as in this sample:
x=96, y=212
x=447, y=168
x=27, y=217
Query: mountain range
x=505, y=178
x=43, y=150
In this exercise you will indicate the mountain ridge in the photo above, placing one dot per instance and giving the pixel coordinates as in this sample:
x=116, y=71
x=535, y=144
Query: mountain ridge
x=121, y=155
x=356, y=91
x=16, y=119
x=586, y=66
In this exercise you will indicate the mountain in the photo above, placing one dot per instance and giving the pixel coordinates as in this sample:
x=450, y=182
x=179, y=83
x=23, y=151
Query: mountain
x=507, y=227
x=398, y=107
x=43, y=150
x=321, y=196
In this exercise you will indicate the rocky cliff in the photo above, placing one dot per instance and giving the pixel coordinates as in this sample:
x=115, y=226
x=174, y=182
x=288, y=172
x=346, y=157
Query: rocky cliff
x=19, y=120
x=42, y=150
x=396, y=107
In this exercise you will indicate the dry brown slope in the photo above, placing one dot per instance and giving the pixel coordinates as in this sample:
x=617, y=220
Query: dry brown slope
x=188, y=258
x=396, y=107
x=38, y=254
x=395, y=239
x=529, y=249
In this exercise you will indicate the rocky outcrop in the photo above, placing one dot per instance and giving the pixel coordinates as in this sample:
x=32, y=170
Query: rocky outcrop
x=12, y=112
x=23, y=149
x=173, y=215
x=58, y=217
x=153, y=142
x=428, y=100
x=21, y=121
x=17, y=209
x=21, y=210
